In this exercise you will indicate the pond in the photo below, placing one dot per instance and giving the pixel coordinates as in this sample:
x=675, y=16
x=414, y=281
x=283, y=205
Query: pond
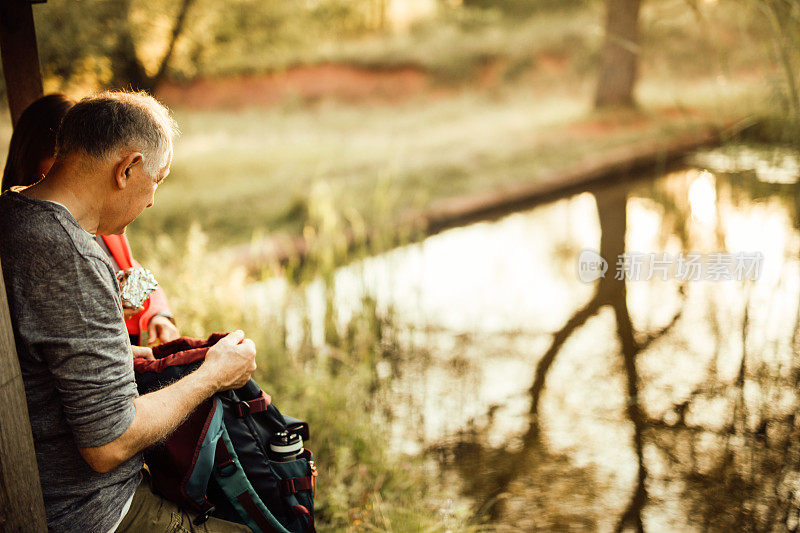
x=661, y=396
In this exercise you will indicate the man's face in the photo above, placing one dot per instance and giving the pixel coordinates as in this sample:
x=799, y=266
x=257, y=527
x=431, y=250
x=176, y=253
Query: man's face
x=140, y=192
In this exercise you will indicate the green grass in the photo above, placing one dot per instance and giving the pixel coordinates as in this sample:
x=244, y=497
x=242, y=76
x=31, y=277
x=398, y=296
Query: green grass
x=259, y=168
x=257, y=171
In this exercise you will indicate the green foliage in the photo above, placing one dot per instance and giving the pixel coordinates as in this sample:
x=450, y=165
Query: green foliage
x=110, y=42
x=250, y=36
x=97, y=43
x=75, y=44
x=107, y=42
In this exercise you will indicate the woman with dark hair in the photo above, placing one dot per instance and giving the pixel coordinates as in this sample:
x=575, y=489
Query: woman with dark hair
x=30, y=156
x=30, y=153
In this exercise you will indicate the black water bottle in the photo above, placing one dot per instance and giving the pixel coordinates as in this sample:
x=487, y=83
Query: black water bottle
x=285, y=446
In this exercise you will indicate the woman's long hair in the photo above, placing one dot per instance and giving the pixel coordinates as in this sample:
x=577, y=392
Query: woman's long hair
x=34, y=139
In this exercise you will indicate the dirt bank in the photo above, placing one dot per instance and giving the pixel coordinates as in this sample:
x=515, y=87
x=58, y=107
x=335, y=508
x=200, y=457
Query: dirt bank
x=304, y=84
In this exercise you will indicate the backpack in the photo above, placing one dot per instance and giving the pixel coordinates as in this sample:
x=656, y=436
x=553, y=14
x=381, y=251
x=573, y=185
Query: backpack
x=216, y=462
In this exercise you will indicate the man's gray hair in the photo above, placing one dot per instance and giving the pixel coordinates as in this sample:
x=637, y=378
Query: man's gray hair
x=101, y=125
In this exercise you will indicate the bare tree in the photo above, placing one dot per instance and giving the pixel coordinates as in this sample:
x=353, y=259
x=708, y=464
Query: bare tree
x=620, y=56
x=128, y=69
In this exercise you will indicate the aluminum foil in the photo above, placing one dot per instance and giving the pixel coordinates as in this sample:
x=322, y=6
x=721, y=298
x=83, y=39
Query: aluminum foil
x=135, y=286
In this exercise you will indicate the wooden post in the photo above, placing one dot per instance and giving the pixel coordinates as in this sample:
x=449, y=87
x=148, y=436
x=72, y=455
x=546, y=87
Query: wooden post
x=21, y=504
x=20, y=55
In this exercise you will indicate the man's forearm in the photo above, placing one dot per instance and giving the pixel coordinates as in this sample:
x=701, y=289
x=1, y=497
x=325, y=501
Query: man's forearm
x=160, y=412
x=157, y=415
x=228, y=365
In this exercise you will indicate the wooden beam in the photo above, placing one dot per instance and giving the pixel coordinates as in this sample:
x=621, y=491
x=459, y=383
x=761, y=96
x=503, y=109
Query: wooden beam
x=21, y=504
x=19, y=55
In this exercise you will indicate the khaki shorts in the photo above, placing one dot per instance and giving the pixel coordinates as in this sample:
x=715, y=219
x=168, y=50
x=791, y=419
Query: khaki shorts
x=150, y=513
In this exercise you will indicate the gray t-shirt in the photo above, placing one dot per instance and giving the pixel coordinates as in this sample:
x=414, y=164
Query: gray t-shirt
x=75, y=357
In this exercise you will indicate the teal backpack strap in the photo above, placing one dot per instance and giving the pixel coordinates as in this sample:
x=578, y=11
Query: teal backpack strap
x=196, y=483
x=237, y=488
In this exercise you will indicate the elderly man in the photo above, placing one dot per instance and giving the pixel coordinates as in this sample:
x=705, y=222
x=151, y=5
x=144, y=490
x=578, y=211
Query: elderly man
x=89, y=425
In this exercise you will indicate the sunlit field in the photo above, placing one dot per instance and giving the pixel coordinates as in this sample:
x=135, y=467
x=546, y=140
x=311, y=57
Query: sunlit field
x=254, y=171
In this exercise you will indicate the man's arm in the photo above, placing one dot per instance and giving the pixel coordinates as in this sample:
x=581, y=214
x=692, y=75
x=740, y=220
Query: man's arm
x=228, y=365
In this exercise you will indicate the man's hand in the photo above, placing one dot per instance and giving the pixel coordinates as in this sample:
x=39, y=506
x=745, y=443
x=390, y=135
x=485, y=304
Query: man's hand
x=230, y=362
x=161, y=329
x=228, y=365
x=131, y=312
x=142, y=352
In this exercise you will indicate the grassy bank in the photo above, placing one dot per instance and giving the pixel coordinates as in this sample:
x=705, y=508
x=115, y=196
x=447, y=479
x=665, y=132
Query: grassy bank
x=333, y=383
x=521, y=107
x=256, y=171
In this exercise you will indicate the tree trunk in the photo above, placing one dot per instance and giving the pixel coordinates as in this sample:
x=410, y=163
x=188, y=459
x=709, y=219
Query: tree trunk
x=620, y=55
x=177, y=29
x=128, y=70
x=125, y=64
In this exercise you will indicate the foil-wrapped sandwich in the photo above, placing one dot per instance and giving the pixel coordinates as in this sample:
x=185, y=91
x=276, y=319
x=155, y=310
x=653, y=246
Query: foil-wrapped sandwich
x=135, y=286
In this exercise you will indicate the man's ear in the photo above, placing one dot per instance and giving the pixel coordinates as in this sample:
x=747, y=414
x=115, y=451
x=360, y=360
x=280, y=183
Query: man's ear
x=122, y=170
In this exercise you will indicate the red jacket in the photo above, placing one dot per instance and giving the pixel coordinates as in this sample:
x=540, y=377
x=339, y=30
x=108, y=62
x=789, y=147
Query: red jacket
x=157, y=303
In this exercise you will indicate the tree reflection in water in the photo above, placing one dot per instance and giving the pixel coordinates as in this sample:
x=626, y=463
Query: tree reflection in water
x=738, y=473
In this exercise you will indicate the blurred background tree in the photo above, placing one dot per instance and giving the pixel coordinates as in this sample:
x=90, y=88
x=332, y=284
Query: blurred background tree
x=784, y=19
x=140, y=43
x=620, y=56
x=117, y=44
x=136, y=43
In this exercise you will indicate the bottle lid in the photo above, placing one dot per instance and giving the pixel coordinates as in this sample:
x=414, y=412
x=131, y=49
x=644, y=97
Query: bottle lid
x=290, y=444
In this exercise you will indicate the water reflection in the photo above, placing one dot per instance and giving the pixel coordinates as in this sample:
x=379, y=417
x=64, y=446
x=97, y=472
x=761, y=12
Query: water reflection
x=653, y=405
x=770, y=165
x=660, y=405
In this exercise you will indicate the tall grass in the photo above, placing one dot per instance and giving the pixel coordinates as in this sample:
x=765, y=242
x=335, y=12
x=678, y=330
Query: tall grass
x=784, y=20
x=333, y=382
